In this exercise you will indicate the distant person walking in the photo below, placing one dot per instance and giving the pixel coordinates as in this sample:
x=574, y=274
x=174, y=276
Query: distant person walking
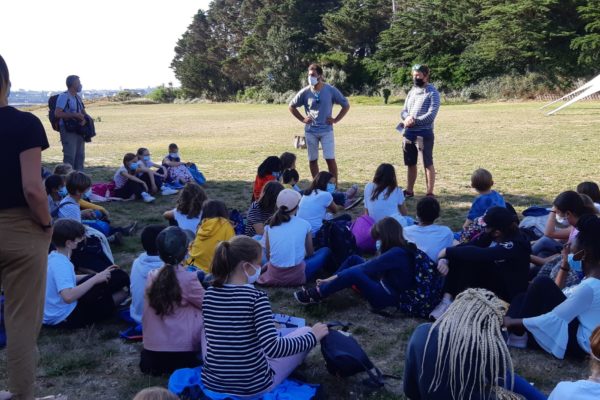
x=416, y=124
x=25, y=231
x=71, y=111
x=318, y=99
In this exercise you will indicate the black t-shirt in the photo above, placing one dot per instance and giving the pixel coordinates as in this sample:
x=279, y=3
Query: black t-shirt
x=19, y=131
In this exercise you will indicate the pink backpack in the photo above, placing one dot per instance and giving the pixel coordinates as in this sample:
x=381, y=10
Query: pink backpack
x=361, y=229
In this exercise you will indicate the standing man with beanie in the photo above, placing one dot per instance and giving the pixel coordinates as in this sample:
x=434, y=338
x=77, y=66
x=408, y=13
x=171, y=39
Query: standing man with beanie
x=318, y=99
x=69, y=106
x=25, y=231
x=416, y=124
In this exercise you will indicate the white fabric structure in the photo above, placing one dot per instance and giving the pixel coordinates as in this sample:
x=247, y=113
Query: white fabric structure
x=584, y=91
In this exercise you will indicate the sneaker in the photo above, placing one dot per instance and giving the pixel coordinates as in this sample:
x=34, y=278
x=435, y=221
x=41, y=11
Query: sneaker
x=350, y=204
x=328, y=216
x=308, y=296
x=116, y=238
x=147, y=198
x=408, y=194
x=167, y=191
x=129, y=229
x=350, y=193
x=440, y=309
x=517, y=341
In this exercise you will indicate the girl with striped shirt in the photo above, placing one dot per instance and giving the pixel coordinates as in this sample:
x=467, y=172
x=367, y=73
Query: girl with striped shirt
x=244, y=355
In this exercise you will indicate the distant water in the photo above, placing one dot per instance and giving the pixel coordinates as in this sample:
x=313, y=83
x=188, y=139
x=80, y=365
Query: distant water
x=25, y=105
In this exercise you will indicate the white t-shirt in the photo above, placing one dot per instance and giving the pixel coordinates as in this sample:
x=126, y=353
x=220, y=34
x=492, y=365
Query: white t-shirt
x=61, y=276
x=430, y=239
x=580, y=390
x=191, y=224
x=382, y=207
x=287, y=242
x=313, y=207
x=119, y=179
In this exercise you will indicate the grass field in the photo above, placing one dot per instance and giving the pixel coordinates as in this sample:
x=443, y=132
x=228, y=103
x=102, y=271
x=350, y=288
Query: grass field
x=532, y=158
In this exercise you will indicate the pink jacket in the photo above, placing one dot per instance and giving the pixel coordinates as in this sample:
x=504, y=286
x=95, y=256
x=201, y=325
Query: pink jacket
x=181, y=330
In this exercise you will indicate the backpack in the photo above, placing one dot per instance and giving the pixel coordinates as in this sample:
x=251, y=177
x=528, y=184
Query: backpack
x=361, y=229
x=420, y=300
x=345, y=357
x=336, y=235
x=238, y=222
x=197, y=175
x=55, y=122
x=92, y=254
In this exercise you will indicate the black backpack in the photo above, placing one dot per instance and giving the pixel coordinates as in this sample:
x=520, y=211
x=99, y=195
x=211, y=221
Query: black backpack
x=51, y=108
x=345, y=357
x=336, y=235
x=89, y=255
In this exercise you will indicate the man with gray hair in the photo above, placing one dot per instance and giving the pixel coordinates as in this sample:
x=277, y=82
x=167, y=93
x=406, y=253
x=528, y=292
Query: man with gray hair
x=71, y=112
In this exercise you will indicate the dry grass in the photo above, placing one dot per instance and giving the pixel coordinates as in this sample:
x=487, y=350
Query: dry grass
x=532, y=157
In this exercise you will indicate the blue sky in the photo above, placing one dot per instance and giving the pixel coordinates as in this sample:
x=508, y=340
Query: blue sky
x=110, y=44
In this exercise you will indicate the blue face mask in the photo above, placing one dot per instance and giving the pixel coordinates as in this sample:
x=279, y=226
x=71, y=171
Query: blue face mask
x=276, y=175
x=174, y=155
x=147, y=158
x=133, y=166
x=62, y=192
x=574, y=264
x=331, y=187
x=87, y=194
x=378, y=246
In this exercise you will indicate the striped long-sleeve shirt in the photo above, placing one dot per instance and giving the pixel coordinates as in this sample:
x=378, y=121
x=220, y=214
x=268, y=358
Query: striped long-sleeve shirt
x=240, y=335
x=423, y=105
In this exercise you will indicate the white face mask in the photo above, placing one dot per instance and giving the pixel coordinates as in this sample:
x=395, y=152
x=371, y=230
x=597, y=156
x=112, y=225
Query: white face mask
x=561, y=220
x=378, y=246
x=253, y=278
x=312, y=80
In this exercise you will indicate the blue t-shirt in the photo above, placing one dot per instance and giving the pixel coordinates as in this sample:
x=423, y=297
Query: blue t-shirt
x=69, y=103
x=319, y=105
x=61, y=276
x=483, y=202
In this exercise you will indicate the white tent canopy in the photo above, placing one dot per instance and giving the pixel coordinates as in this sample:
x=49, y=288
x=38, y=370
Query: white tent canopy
x=584, y=91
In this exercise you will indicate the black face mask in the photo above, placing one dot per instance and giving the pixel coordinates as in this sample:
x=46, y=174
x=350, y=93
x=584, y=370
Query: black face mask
x=419, y=82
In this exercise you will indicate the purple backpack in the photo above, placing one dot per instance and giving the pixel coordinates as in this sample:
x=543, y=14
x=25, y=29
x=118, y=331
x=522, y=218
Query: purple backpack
x=361, y=229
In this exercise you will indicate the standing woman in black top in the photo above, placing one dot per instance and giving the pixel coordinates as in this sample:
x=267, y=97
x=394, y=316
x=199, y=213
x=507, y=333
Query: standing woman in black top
x=25, y=231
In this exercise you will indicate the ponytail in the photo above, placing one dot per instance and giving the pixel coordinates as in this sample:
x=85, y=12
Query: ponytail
x=164, y=293
x=229, y=254
x=280, y=217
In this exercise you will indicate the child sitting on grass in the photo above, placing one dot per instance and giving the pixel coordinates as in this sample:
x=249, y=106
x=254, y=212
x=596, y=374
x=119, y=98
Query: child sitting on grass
x=188, y=212
x=172, y=317
x=127, y=184
x=244, y=355
x=482, y=182
x=154, y=178
x=74, y=301
x=268, y=170
x=288, y=161
x=56, y=191
x=65, y=169
x=290, y=178
x=177, y=170
x=146, y=262
x=214, y=228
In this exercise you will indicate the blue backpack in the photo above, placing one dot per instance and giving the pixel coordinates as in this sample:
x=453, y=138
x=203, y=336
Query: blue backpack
x=427, y=292
x=238, y=222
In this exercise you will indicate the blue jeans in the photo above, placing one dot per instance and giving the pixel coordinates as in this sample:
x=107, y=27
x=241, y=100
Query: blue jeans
x=545, y=247
x=351, y=273
x=313, y=264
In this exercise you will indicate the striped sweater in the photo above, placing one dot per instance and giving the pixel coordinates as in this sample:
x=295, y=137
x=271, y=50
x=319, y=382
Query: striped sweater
x=422, y=104
x=240, y=335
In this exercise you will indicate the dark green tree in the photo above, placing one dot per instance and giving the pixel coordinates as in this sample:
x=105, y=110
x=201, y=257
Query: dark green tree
x=588, y=44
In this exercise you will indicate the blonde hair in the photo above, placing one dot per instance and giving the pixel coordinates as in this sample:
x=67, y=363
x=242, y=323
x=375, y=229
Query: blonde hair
x=482, y=180
x=155, y=393
x=595, y=349
x=470, y=339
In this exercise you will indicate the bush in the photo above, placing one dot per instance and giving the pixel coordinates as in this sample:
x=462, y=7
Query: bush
x=126, y=95
x=164, y=94
x=263, y=95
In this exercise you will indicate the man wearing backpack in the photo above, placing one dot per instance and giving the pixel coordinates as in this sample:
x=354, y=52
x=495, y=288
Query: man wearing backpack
x=72, y=115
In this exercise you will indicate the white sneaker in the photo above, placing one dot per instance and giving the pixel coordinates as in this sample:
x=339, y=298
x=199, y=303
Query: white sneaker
x=147, y=198
x=517, y=341
x=440, y=309
x=166, y=191
x=328, y=216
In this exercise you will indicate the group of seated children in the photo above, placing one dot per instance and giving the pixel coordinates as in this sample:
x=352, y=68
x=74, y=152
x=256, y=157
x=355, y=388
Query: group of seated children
x=193, y=287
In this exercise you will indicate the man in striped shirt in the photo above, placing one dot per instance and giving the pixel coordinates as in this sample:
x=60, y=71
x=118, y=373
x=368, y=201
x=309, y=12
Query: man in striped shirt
x=420, y=109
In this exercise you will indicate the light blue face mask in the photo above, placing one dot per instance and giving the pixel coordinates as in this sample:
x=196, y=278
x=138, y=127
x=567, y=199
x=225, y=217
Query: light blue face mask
x=133, y=166
x=574, y=264
x=147, y=158
x=174, y=155
x=331, y=187
x=87, y=194
x=62, y=192
x=378, y=246
x=276, y=175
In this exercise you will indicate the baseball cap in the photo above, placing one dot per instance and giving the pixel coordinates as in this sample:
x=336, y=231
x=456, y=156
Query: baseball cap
x=498, y=218
x=288, y=198
x=172, y=244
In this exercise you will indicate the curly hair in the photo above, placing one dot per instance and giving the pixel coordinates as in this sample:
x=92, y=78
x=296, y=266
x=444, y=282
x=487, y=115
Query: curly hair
x=191, y=199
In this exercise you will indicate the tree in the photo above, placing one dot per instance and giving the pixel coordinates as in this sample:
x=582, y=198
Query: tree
x=588, y=44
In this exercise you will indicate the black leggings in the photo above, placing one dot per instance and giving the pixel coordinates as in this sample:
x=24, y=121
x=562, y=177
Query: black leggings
x=97, y=303
x=541, y=297
x=130, y=188
x=165, y=362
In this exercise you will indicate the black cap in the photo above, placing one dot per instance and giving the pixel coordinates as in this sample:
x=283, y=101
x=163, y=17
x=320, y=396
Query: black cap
x=498, y=218
x=172, y=244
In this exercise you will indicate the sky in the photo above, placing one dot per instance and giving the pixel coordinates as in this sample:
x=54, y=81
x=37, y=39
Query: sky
x=110, y=44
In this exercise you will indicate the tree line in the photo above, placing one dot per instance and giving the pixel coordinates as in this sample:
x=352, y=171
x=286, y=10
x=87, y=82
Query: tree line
x=241, y=47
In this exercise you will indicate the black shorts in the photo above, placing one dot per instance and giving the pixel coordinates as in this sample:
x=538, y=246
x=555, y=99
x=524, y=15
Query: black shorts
x=411, y=153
